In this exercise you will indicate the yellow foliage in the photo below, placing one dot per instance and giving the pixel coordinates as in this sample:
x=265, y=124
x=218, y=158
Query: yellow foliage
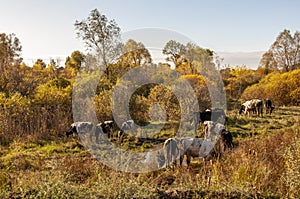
x=283, y=89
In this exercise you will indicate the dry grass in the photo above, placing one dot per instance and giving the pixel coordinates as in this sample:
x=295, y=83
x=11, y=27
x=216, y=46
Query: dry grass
x=265, y=163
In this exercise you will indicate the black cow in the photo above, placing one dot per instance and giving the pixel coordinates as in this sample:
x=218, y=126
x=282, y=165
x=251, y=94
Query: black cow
x=269, y=107
x=213, y=114
x=226, y=137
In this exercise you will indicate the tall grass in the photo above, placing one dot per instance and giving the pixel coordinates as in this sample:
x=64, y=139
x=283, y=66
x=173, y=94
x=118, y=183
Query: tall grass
x=265, y=163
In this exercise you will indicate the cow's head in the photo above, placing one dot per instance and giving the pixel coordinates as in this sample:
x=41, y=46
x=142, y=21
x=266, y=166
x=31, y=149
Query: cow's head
x=227, y=139
x=72, y=131
x=242, y=109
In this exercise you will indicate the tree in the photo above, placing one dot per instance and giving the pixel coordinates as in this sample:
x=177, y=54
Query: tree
x=10, y=52
x=238, y=79
x=75, y=60
x=268, y=61
x=135, y=54
x=284, y=52
x=39, y=65
x=101, y=35
x=175, y=51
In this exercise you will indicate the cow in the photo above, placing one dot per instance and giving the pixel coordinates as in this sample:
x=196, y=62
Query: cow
x=190, y=147
x=254, y=105
x=105, y=127
x=213, y=130
x=227, y=139
x=171, y=151
x=80, y=127
x=204, y=148
x=127, y=125
x=213, y=114
x=269, y=107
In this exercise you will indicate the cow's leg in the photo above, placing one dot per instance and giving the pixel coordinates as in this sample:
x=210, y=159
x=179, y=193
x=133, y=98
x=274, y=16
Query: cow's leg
x=271, y=109
x=195, y=127
x=97, y=137
x=120, y=135
x=91, y=135
x=173, y=161
x=181, y=159
x=168, y=161
x=188, y=159
x=196, y=122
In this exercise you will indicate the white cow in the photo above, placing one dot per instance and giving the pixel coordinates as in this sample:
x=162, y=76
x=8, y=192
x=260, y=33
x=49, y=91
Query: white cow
x=171, y=151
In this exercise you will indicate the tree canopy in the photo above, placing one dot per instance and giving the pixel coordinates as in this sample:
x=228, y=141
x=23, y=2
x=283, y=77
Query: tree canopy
x=284, y=53
x=101, y=36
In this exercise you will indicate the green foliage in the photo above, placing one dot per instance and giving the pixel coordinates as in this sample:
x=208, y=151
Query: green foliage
x=54, y=93
x=199, y=85
x=103, y=105
x=139, y=108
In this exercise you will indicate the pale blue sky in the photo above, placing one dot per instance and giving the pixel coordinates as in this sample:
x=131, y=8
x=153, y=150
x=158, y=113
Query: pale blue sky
x=46, y=28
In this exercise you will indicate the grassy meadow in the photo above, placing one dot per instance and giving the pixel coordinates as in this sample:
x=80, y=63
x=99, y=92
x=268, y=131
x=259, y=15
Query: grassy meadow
x=265, y=163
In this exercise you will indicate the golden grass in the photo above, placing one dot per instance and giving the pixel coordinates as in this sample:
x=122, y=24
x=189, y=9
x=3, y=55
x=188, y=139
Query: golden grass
x=265, y=163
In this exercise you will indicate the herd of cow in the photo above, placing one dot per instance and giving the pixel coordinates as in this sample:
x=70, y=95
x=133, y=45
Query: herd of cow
x=256, y=107
x=216, y=139
x=103, y=128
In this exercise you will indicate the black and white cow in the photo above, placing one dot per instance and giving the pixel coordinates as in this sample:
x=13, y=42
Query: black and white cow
x=215, y=131
x=269, y=107
x=80, y=127
x=106, y=127
x=254, y=106
x=213, y=114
